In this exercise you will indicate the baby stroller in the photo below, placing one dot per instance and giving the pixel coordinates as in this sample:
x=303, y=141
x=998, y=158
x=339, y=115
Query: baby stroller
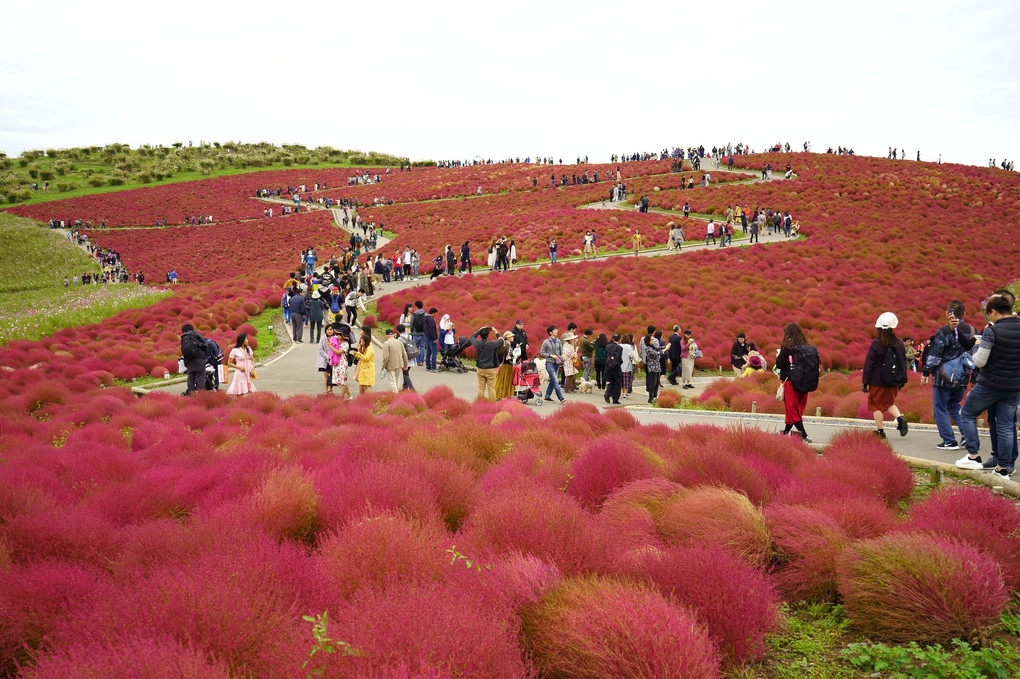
x=527, y=382
x=449, y=356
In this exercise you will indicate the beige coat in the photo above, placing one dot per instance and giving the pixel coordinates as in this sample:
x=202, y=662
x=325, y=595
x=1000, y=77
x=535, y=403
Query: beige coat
x=394, y=357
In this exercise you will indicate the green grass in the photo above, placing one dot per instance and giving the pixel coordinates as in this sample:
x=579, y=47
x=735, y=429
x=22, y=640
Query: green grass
x=33, y=300
x=809, y=646
x=30, y=315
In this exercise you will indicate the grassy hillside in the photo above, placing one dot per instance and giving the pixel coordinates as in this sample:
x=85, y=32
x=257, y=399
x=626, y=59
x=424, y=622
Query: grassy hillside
x=33, y=299
x=98, y=169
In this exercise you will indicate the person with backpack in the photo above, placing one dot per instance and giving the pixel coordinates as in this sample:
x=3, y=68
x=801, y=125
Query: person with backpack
x=885, y=373
x=798, y=366
x=949, y=344
x=194, y=352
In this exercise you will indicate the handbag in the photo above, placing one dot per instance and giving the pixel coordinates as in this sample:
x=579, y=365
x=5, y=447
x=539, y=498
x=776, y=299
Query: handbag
x=780, y=392
x=253, y=375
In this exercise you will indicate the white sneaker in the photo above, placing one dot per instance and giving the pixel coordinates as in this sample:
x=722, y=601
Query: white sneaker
x=967, y=463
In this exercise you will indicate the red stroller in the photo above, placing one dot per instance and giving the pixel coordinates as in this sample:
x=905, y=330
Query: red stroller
x=527, y=382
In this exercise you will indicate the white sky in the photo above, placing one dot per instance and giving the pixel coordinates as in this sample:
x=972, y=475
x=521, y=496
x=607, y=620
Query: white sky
x=460, y=79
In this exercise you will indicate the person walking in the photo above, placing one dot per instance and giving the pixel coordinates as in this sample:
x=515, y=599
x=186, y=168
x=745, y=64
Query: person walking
x=410, y=351
x=569, y=368
x=653, y=350
x=552, y=351
x=297, y=314
x=794, y=357
x=710, y=232
x=881, y=385
x=315, y=316
x=242, y=360
x=394, y=360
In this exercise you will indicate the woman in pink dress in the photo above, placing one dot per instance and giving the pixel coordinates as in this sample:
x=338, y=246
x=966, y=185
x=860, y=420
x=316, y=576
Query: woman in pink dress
x=242, y=361
x=339, y=345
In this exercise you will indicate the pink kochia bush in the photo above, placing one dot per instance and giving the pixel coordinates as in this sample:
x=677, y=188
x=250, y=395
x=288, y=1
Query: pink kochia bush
x=604, y=465
x=808, y=544
x=912, y=587
x=593, y=627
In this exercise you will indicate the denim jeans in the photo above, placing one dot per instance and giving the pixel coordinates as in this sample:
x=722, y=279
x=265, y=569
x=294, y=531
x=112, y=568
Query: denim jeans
x=430, y=355
x=554, y=382
x=1002, y=406
x=945, y=403
x=419, y=343
x=1002, y=456
x=552, y=256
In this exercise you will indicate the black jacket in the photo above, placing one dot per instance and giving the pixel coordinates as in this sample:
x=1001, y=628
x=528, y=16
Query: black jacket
x=1002, y=370
x=521, y=340
x=614, y=356
x=485, y=351
x=945, y=346
x=873, y=362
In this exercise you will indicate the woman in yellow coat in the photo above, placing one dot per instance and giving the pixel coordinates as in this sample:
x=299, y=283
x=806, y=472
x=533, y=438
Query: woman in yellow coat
x=365, y=353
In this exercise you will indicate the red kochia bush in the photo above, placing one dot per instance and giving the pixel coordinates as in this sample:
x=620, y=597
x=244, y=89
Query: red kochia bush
x=737, y=603
x=381, y=548
x=414, y=630
x=987, y=522
x=534, y=520
x=808, y=543
x=605, y=464
x=602, y=628
x=153, y=658
x=912, y=587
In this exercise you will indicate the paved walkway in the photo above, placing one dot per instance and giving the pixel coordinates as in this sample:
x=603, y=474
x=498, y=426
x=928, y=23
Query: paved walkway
x=293, y=372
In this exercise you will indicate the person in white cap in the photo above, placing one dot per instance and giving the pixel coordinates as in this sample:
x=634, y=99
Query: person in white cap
x=885, y=373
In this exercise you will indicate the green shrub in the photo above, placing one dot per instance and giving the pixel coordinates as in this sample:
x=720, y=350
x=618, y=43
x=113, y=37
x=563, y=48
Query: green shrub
x=916, y=587
x=33, y=173
x=66, y=186
x=46, y=175
x=22, y=162
x=143, y=177
x=97, y=181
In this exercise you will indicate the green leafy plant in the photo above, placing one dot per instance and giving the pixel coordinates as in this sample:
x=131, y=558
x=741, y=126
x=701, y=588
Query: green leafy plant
x=324, y=643
x=457, y=556
x=935, y=662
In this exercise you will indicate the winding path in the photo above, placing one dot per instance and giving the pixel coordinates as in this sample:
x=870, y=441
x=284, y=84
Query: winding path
x=292, y=372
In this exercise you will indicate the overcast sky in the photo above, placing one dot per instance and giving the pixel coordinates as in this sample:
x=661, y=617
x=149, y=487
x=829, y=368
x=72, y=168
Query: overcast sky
x=465, y=79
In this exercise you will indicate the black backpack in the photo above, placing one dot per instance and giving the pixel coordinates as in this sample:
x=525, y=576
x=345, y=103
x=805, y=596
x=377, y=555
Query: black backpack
x=418, y=324
x=192, y=346
x=804, y=371
x=893, y=371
